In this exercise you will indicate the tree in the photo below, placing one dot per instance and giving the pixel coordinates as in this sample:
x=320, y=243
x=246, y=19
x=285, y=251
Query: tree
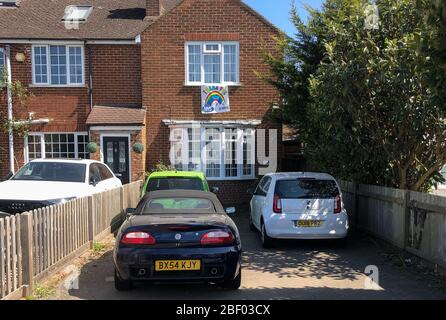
x=20, y=95
x=375, y=111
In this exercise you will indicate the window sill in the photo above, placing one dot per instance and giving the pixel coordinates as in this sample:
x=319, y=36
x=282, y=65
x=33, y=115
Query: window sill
x=58, y=86
x=213, y=84
x=231, y=179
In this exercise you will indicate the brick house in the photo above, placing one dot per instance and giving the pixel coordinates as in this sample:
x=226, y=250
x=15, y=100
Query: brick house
x=121, y=73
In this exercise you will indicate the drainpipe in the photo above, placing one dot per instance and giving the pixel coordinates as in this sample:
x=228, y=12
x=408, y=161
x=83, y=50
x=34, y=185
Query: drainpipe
x=90, y=76
x=10, y=116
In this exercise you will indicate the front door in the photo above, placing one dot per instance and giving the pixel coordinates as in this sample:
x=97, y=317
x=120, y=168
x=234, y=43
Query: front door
x=116, y=156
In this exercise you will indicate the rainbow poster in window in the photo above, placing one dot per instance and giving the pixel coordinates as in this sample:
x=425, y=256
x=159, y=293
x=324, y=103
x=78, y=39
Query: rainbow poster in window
x=214, y=99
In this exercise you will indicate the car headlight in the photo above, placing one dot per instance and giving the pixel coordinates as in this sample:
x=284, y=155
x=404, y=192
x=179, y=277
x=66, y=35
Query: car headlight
x=61, y=200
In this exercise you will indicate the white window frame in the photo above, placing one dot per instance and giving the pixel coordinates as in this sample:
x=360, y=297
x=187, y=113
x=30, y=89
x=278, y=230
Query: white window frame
x=48, y=61
x=222, y=62
x=42, y=143
x=2, y=54
x=202, y=166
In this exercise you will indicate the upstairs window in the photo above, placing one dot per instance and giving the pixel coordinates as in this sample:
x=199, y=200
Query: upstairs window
x=58, y=65
x=212, y=63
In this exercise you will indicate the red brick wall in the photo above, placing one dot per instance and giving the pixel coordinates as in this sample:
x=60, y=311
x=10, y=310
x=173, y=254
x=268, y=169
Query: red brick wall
x=116, y=80
x=116, y=74
x=163, y=72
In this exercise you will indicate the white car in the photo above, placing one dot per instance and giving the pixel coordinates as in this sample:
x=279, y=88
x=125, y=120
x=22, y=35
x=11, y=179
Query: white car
x=45, y=182
x=300, y=205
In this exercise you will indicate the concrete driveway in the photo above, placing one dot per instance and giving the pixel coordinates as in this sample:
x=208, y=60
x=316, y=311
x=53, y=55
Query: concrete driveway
x=294, y=270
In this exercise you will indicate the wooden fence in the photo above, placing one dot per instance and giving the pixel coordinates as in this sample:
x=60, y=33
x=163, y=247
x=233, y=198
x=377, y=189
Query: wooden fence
x=36, y=244
x=411, y=220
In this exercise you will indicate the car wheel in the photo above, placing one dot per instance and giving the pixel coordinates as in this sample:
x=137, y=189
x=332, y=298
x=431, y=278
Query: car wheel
x=252, y=227
x=122, y=285
x=235, y=283
x=267, y=241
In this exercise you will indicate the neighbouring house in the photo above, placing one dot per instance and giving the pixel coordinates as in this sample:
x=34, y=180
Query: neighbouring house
x=129, y=76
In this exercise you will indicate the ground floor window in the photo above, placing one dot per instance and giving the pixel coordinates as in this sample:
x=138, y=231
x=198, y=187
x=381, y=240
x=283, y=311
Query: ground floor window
x=56, y=146
x=220, y=152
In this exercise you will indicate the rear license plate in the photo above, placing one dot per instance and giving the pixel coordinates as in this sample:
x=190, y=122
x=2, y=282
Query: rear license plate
x=308, y=223
x=177, y=265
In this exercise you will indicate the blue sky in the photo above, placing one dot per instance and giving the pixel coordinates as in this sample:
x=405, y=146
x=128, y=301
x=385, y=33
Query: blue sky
x=277, y=11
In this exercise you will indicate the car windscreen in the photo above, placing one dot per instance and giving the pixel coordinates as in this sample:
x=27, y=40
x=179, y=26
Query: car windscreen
x=178, y=205
x=52, y=171
x=158, y=184
x=306, y=189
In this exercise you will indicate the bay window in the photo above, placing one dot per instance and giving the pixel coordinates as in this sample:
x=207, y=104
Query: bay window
x=221, y=152
x=58, y=65
x=56, y=146
x=212, y=63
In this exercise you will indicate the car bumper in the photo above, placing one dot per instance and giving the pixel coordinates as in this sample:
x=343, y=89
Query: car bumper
x=283, y=227
x=130, y=261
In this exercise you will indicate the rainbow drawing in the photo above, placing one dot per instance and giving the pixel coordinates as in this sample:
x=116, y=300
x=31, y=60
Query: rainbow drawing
x=215, y=99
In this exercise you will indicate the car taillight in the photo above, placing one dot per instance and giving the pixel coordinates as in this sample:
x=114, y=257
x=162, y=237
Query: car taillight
x=217, y=237
x=337, y=204
x=138, y=238
x=277, y=204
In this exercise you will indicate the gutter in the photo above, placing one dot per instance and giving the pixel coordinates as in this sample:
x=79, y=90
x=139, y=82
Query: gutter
x=10, y=115
x=68, y=41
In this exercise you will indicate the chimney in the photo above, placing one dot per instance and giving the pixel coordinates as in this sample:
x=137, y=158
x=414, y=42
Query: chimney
x=153, y=8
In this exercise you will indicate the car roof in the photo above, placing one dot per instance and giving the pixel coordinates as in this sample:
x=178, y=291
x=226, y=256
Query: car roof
x=179, y=193
x=178, y=174
x=295, y=175
x=84, y=161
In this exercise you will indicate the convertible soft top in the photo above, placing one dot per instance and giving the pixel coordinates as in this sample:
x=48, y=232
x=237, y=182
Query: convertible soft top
x=183, y=194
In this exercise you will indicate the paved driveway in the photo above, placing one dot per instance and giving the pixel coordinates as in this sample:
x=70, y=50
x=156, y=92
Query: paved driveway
x=294, y=270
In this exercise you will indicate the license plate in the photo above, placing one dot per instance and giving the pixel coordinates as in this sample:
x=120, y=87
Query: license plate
x=308, y=223
x=177, y=265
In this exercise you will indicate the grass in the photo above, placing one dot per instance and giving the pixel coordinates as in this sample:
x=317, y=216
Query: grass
x=42, y=292
x=98, y=247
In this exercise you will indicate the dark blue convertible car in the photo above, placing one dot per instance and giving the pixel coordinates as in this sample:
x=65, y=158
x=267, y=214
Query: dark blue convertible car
x=178, y=236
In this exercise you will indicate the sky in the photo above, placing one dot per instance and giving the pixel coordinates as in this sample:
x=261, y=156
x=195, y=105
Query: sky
x=278, y=11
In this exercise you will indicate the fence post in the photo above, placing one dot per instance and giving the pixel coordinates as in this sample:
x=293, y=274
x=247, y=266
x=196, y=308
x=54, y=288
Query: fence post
x=26, y=222
x=406, y=222
x=122, y=199
x=91, y=220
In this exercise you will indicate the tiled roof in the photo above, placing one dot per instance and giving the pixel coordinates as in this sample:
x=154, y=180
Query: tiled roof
x=109, y=20
x=101, y=115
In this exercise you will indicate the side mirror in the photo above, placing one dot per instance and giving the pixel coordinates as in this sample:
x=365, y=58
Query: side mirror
x=215, y=189
x=230, y=210
x=130, y=211
x=94, y=181
x=8, y=176
x=250, y=191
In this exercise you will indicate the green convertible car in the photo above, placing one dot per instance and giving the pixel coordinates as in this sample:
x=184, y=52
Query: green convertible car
x=168, y=180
